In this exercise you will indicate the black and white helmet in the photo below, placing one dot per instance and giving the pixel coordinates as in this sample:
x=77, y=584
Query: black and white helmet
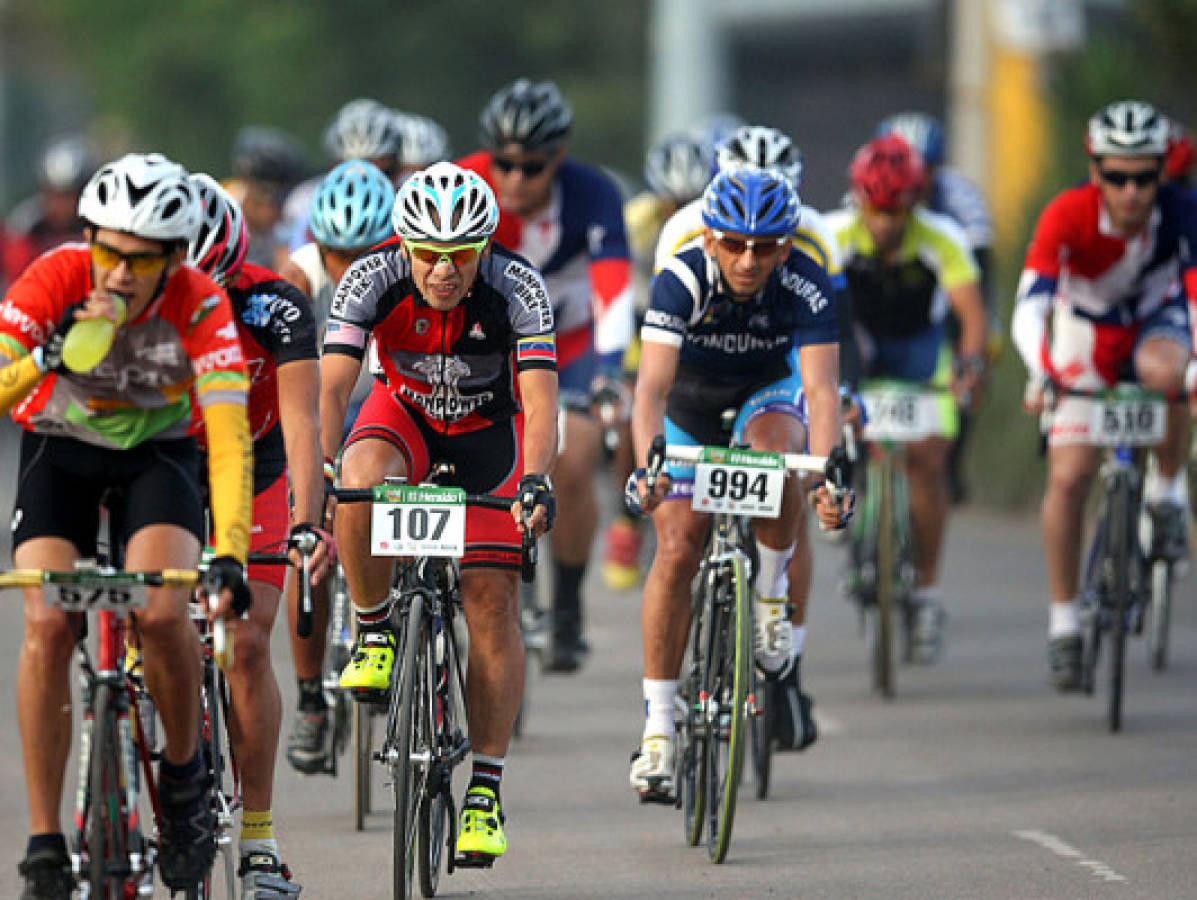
x=445, y=203
x=424, y=141
x=762, y=147
x=678, y=167
x=1128, y=128
x=144, y=194
x=363, y=129
x=533, y=115
x=222, y=241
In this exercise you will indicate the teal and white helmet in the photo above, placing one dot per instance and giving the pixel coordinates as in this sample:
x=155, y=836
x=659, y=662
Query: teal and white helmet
x=445, y=203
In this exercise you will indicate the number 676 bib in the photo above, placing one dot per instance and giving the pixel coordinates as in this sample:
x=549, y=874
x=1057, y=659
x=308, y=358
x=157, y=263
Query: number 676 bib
x=744, y=482
x=417, y=521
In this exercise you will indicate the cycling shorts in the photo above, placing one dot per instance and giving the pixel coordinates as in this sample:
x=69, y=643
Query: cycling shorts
x=1089, y=355
x=488, y=460
x=784, y=396
x=271, y=526
x=62, y=482
x=913, y=357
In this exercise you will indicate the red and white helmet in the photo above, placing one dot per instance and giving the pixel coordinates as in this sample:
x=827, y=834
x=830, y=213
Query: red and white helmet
x=144, y=194
x=220, y=245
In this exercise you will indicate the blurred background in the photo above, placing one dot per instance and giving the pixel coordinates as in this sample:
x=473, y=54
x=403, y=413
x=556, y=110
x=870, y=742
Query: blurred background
x=1013, y=81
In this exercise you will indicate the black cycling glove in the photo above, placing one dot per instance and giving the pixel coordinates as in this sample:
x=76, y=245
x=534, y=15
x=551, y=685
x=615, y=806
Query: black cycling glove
x=537, y=490
x=227, y=572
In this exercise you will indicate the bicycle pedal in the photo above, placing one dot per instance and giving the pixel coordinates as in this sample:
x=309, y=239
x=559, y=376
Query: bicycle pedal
x=474, y=861
x=369, y=696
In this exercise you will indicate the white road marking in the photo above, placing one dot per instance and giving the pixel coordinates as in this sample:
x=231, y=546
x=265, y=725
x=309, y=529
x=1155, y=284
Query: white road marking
x=828, y=726
x=1065, y=850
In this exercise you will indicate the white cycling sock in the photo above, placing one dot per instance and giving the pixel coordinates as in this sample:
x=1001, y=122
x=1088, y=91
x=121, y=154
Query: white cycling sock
x=799, y=640
x=658, y=707
x=246, y=847
x=1158, y=489
x=772, y=580
x=1062, y=619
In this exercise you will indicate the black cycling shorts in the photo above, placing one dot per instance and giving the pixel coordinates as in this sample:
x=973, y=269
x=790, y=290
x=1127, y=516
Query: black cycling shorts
x=63, y=481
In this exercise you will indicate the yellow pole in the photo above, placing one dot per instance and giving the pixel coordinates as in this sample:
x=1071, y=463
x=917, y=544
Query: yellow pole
x=1019, y=139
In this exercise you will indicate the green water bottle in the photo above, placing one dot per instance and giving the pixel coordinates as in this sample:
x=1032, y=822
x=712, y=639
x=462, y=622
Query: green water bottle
x=89, y=340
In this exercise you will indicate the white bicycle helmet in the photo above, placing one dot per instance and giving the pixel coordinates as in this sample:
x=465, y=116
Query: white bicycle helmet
x=445, y=203
x=144, y=194
x=1128, y=128
x=762, y=147
x=678, y=167
x=363, y=129
x=424, y=141
x=220, y=245
x=533, y=115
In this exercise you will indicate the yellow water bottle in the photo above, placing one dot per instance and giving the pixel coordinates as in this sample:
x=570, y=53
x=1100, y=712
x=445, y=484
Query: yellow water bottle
x=89, y=340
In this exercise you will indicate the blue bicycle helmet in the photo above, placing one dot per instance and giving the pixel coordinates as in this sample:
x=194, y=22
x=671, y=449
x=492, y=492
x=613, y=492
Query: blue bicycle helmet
x=352, y=206
x=752, y=202
x=923, y=132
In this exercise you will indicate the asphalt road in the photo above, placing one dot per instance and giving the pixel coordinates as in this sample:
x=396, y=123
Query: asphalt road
x=975, y=781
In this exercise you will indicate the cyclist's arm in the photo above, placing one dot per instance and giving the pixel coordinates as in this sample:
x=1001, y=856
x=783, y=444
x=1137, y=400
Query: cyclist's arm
x=820, y=368
x=538, y=396
x=230, y=477
x=298, y=404
x=338, y=374
x=17, y=378
x=294, y=274
x=654, y=379
x=965, y=300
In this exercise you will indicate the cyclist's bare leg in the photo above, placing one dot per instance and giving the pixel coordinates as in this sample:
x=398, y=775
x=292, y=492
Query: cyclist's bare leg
x=665, y=613
x=801, y=570
x=308, y=653
x=926, y=471
x=43, y=685
x=1160, y=366
x=170, y=644
x=256, y=710
x=495, y=680
x=573, y=481
x=364, y=464
x=1071, y=468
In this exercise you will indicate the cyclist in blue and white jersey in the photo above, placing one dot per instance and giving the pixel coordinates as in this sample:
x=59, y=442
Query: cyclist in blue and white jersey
x=727, y=310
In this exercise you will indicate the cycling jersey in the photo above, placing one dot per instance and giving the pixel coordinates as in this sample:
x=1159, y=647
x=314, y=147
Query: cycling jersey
x=580, y=246
x=955, y=196
x=906, y=295
x=454, y=368
x=1079, y=263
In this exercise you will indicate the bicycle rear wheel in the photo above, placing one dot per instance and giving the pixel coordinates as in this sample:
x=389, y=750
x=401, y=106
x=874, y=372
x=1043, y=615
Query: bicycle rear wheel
x=406, y=738
x=692, y=733
x=729, y=672
x=881, y=632
x=1159, y=614
x=106, y=827
x=1120, y=550
x=762, y=731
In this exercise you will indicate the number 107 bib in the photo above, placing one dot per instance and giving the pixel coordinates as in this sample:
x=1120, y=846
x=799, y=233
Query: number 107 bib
x=417, y=521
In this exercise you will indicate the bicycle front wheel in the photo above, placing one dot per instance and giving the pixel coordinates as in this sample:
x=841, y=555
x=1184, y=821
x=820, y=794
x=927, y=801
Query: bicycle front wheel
x=406, y=739
x=105, y=828
x=1119, y=561
x=692, y=733
x=882, y=625
x=1159, y=614
x=728, y=677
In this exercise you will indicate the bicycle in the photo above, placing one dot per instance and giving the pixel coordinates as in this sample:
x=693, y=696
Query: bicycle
x=1119, y=587
x=424, y=734
x=883, y=572
x=716, y=694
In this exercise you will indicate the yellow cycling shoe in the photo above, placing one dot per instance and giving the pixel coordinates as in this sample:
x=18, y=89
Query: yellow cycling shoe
x=369, y=670
x=481, y=830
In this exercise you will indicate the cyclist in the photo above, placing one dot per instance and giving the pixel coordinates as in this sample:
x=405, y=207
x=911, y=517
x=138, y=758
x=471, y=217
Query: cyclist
x=566, y=218
x=450, y=311
x=121, y=429
x=906, y=266
x=361, y=129
x=424, y=142
x=759, y=146
x=1105, y=265
x=947, y=191
x=1181, y=156
x=351, y=212
x=676, y=169
x=278, y=336
x=50, y=216
x=726, y=311
x=267, y=164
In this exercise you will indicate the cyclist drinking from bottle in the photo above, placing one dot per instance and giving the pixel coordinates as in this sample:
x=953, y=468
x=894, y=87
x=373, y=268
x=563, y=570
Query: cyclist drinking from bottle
x=121, y=429
x=726, y=311
x=464, y=332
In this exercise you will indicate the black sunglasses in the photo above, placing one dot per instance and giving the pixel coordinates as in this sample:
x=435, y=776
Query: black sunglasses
x=1119, y=178
x=531, y=168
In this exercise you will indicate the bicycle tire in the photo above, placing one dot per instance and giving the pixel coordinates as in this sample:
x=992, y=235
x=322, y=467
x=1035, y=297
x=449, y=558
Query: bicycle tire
x=1120, y=549
x=882, y=625
x=729, y=676
x=105, y=828
x=401, y=742
x=905, y=572
x=762, y=734
x=692, y=740
x=1159, y=614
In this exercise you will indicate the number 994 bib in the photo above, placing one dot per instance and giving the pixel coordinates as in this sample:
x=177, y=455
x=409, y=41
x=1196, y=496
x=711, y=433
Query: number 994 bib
x=742, y=482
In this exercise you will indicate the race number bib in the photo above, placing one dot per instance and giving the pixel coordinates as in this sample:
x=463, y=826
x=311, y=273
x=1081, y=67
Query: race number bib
x=901, y=415
x=1134, y=421
x=746, y=482
x=113, y=595
x=417, y=521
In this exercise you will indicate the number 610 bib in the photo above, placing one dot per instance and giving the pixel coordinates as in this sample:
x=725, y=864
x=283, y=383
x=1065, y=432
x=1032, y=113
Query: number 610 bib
x=417, y=521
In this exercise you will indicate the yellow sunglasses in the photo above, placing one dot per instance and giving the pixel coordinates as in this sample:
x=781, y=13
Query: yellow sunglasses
x=142, y=263
x=457, y=254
